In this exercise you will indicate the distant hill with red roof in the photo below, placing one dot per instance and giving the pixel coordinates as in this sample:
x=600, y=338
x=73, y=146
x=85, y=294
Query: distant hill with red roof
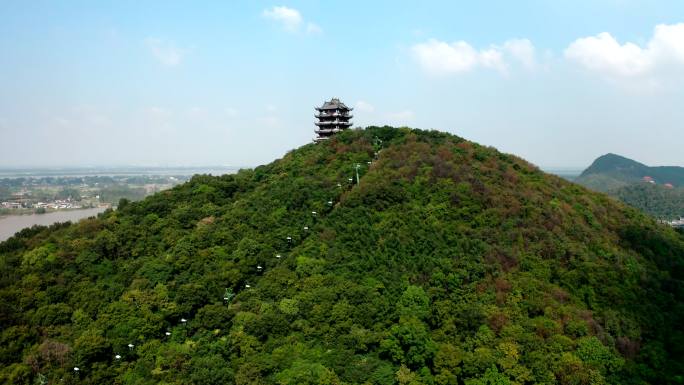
x=612, y=171
x=658, y=191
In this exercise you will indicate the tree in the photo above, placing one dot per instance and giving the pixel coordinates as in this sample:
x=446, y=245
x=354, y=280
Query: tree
x=414, y=303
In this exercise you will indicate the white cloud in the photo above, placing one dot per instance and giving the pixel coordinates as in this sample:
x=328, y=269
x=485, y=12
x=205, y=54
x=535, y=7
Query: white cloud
x=364, y=106
x=231, y=112
x=62, y=122
x=313, y=28
x=156, y=112
x=522, y=50
x=290, y=18
x=493, y=58
x=401, y=116
x=198, y=112
x=158, y=120
x=165, y=52
x=368, y=113
x=438, y=57
x=271, y=118
x=269, y=121
x=417, y=32
x=604, y=54
x=668, y=41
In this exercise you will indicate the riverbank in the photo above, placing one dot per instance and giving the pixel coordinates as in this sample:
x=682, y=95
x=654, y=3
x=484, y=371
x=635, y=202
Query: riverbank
x=11, y=224
x=20, y=212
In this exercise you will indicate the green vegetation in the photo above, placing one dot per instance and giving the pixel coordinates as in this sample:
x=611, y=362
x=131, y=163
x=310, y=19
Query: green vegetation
x=68, y=193
x=112, y=194
x=450, y=263
x=5, y=193
x=604, y=183
x=661, y=202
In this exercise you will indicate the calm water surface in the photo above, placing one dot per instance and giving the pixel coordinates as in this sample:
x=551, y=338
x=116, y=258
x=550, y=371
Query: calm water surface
x=9, y=225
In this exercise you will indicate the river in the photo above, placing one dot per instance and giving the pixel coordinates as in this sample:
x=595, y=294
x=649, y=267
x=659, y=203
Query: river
x=10, y=224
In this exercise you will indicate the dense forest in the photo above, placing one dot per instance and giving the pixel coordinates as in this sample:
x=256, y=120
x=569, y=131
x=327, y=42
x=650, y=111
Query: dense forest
x=659, y=201
x=382, y=256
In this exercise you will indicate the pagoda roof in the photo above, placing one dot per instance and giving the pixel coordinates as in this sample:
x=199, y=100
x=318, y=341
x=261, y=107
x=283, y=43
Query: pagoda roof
x=334, y=104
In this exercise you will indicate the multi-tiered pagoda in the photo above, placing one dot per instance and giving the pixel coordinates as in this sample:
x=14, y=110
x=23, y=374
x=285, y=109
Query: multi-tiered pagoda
x=333, y=117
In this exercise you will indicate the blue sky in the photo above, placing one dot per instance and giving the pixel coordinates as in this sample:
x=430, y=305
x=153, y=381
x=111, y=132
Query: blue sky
x=226, y=83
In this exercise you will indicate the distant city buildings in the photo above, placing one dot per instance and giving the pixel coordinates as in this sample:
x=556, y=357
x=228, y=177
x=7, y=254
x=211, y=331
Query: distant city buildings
x=649, y=179
x=11, y=205
x=674, y=223
x=58, y=204
x=24, y=195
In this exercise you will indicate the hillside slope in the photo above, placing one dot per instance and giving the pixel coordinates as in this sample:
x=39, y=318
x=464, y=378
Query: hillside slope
x=449, y=263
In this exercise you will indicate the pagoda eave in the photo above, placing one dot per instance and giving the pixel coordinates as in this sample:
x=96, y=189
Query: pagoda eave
x=347, y=116
x=329, y=131
x=346, y=124
x=331, y=109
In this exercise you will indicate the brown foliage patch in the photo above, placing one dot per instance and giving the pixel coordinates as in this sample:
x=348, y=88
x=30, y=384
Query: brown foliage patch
x=50, y=352
x=594, y=327
x=627, y=347
x=560, y=295
x=502, y=287
x=206, y=221
x=497, y=321
x=502, y=257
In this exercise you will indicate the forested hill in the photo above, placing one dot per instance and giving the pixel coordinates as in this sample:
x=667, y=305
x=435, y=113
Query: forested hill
x=613, y=171
x=449, y=263
x=624, y=179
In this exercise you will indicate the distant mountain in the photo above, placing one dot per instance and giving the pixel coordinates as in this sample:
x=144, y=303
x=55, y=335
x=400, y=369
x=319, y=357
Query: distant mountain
x=658, y=191
x=612, y=171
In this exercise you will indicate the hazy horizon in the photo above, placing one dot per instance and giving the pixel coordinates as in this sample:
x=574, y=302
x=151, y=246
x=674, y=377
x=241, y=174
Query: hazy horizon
x=150, y=167
x=174, y=84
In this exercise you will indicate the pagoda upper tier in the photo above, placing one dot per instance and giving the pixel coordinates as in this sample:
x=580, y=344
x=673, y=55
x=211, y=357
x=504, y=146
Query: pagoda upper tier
x=333, y=117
